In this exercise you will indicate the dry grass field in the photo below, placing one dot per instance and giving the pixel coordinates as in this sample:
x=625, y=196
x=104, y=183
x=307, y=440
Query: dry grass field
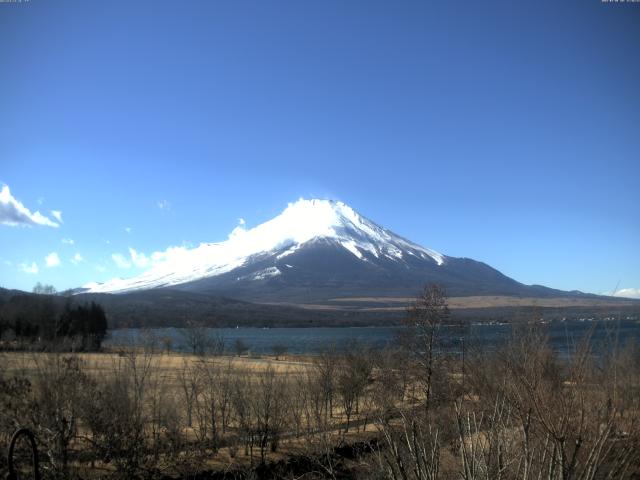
x=166, y=364
x=491, y=301
x=185, y=387
x=519, y=413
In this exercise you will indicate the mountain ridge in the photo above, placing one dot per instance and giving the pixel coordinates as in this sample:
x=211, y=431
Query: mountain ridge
x=313, y=251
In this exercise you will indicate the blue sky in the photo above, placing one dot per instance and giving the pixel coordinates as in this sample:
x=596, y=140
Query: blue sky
x=508, y=132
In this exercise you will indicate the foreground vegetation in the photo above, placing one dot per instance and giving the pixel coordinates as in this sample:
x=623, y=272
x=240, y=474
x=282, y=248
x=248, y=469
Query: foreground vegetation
x=518, y=412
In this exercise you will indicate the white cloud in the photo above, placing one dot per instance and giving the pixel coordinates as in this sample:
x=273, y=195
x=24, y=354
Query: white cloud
x=120, y=261
x=138, y=259
x=77, y=258
x=52, y=260
x=31, y=269
x=57, y=214
x=627, y=292
x=68, y=241
x=14, y=213
x=127, y=229
x=238, y=232
x=172, y=255
x=163, y=205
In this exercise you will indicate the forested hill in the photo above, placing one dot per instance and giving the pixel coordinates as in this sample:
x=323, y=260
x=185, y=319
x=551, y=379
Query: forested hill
x=44, y=319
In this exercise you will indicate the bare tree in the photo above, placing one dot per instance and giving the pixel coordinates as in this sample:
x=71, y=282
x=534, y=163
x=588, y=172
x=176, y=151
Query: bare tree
x=194, y=334
x=551, y=419
x=190, y=385
x=55, y=411
x=179, y=455
x=202, y=340
x=319, y=440
x=279, y=349
x=240, y=393
x=115, y=416
x=325, y=365
x=240, y=347
x=44, y=289
x=353, y=375
x=268, y=405
x=214, y=402
x=412, y=449
x=425, y=318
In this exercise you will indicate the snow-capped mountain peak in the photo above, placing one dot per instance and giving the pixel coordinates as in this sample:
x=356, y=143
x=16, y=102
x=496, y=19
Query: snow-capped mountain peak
x=299, y=224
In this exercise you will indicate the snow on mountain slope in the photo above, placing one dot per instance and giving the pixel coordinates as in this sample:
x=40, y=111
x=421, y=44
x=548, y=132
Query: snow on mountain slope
x=301, y=222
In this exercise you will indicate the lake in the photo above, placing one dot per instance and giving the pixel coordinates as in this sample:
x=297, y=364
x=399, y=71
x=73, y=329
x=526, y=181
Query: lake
x=563, y=336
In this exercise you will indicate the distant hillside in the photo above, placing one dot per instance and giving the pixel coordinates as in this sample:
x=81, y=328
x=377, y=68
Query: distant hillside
x=175, y=308
x=165, y=307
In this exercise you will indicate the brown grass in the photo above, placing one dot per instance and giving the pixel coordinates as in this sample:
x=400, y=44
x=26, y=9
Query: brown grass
x=489, y=301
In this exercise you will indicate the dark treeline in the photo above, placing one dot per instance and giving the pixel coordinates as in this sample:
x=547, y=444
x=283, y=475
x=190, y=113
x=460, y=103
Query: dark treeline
x=43, y=319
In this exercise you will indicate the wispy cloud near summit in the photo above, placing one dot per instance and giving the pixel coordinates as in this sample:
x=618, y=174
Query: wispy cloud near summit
x=627, y=293
x=121, y=261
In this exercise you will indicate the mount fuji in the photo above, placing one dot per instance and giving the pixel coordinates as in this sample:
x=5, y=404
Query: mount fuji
x=317, y=251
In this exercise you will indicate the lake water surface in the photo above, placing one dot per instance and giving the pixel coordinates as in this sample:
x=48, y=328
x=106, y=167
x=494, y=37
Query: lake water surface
x=562, y=335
